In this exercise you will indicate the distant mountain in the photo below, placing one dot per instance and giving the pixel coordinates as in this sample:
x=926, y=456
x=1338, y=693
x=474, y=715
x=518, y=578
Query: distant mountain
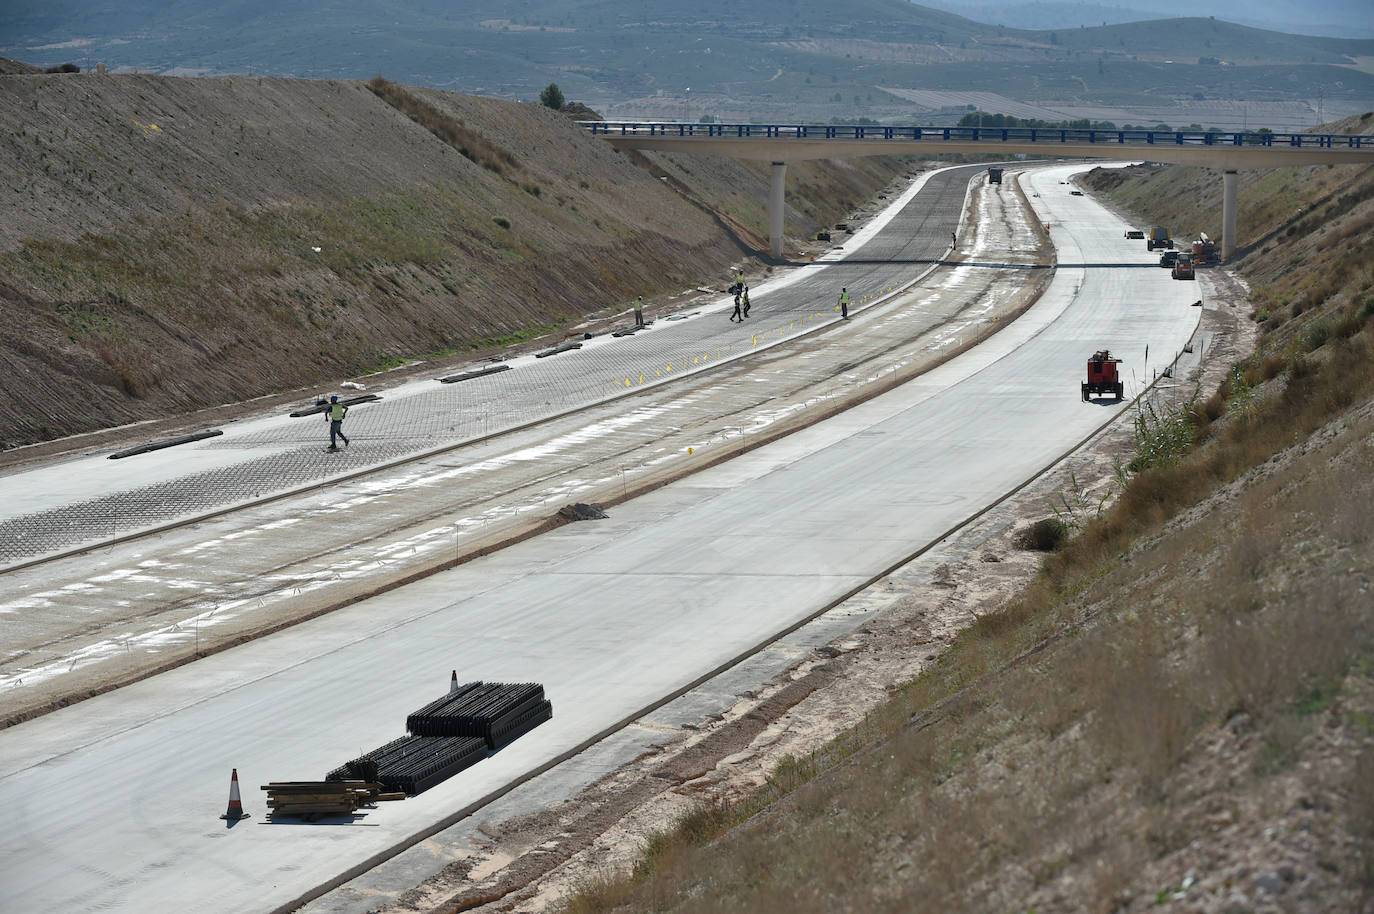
x=731, y=60
x=1331, y=18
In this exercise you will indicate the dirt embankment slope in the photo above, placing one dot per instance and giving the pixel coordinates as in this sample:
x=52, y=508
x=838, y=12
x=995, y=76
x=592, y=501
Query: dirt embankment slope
x=173, y=244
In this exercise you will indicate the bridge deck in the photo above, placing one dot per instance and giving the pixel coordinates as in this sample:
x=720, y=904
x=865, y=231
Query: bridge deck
x=795, y=142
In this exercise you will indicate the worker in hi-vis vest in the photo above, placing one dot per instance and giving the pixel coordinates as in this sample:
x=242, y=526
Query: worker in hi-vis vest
x=844, y=303
x=335, y=413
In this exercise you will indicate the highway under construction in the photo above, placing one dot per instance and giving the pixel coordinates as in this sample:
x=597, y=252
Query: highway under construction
x=269, y=608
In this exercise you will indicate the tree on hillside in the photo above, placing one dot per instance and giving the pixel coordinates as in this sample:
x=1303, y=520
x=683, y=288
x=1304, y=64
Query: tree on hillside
x=552, y=97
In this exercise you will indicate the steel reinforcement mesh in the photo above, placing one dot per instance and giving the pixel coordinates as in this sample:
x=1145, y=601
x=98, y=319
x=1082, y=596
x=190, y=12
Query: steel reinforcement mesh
x=387, y=430
x=488, y=710
x=452, y=733
x=416, y=763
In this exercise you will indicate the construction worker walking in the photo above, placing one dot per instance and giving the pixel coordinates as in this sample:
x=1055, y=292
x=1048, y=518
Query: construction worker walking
x=335, y=414
x=844, y=303
x=737, y=316
x=744, y=299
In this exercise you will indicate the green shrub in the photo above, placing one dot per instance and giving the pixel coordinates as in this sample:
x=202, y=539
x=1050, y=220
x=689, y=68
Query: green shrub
x=501, y=221
x=1161, y=439
x=1045, y=535
x=1315, y=335
x=551, y=97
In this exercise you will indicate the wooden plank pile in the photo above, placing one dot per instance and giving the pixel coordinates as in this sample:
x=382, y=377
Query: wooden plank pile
x=312, y=799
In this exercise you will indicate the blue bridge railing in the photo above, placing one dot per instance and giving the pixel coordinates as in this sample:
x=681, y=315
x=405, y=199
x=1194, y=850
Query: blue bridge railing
x=988, y=135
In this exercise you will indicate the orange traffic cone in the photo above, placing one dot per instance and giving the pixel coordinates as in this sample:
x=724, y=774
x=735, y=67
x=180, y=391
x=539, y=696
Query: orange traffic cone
x=453, y=683
x=235, y=810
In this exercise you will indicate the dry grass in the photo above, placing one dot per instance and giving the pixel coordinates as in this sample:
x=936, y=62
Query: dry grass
x=147, y=281
x=1002, y=772
x=451, y=130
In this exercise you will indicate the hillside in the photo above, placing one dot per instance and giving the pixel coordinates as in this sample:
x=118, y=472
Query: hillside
x=1176, y=712
x=734, y=61
x=1332, y=18
x=174, y=244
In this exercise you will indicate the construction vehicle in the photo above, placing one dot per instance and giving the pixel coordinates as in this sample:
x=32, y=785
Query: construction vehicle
x=1102, y=377
x=1183, y=267
x=1205, y=250
x=1168, y=258
x=995, y=175
x=1159, y=238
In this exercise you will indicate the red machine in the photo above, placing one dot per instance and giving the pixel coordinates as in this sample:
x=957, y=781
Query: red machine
x=1205, y=250
x=1183, y=267
x=1102, y=376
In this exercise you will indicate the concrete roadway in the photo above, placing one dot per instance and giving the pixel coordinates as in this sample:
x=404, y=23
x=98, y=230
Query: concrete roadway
x=112, y=802
x=82, y=622
x=77, y=502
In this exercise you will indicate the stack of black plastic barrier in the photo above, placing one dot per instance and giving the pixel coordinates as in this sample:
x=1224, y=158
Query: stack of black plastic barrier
x=416, y=763
x=494, y=711
x=451, y=734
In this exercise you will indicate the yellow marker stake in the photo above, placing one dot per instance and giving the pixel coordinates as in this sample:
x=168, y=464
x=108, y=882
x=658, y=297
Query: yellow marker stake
x=641, y=377
x=627, y=382
x=756, y=339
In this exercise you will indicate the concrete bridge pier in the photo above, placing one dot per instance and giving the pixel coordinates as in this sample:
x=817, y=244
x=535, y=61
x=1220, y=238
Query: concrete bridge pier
x=1228, y=213
x=775, y=209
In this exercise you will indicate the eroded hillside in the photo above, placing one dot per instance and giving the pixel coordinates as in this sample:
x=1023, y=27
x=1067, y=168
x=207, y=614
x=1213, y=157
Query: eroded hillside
x=173, y=244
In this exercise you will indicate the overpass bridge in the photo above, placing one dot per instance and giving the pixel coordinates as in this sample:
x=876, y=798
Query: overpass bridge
x=783, y=143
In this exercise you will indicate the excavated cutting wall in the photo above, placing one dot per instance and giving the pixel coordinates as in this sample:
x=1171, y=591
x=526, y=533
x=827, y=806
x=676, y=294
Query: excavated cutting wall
x=173, y=244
